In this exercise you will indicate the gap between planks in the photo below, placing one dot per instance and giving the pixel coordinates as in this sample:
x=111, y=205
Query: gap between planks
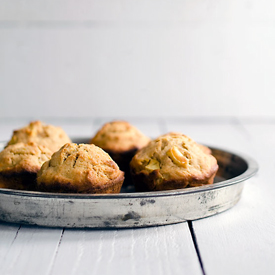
x=15, y=236
x=194, y=239
x=56, y=252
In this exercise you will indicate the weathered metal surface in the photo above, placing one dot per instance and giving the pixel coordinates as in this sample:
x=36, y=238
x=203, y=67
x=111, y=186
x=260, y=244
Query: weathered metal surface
x=129, y=209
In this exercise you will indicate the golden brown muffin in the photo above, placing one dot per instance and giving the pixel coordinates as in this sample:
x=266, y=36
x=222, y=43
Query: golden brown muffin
x=37, y=132
x=121, y=140
x=172, y=161
x=83, y=168
x=19, y=164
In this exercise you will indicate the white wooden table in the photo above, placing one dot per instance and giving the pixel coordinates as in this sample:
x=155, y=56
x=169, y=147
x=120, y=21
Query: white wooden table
x=238, y=241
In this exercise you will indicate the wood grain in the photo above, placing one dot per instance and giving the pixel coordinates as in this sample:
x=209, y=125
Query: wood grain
x=8, y=235
x=156, y=250
x=141, y=58
x=31, y=252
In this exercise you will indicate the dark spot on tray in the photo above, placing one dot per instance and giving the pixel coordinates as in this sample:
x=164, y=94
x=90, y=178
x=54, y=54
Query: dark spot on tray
x=107, y=223
x=71, y=202
x=131, y=215
x=143, y=202
x=207, y=197
x=214, y=207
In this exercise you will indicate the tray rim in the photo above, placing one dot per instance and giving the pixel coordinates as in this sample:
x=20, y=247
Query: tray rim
x=252, y=169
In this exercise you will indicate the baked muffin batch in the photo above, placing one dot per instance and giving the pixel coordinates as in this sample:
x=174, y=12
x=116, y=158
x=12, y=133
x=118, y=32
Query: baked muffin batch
x=42, y=157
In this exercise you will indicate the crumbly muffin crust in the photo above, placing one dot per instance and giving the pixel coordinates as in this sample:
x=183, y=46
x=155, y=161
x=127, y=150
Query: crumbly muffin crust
x=37, y=132
x=119, y=137
x=172, y=161
x=19, y=164
x=204, y=148
x=83, y=168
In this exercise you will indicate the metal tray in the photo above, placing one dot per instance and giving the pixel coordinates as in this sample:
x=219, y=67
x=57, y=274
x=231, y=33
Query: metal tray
x=129, y=209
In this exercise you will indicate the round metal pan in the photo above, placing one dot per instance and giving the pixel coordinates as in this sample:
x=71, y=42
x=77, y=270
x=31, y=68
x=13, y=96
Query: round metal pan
x=130, y=209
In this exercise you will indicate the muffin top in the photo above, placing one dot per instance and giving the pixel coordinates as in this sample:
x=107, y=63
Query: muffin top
x=21, y=157
x=119, y=137
x=174, y=157
x=204, y=148
x=37, y=132
x=80, y=168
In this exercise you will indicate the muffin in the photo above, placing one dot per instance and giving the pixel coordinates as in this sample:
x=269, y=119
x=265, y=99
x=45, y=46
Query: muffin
x=19, y=164
x=37, y=132
x=172, y=161
x=82, y=168
x=121, y=140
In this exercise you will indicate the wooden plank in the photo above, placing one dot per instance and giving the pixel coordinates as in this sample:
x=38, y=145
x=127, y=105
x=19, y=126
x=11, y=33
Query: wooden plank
x=77, y=58
x=8, y=234
x=158, y=250
x=241, y=240
x=62, y=10
x=32, y=251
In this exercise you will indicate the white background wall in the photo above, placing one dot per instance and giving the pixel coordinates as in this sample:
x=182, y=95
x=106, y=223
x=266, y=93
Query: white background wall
x=137, y=58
